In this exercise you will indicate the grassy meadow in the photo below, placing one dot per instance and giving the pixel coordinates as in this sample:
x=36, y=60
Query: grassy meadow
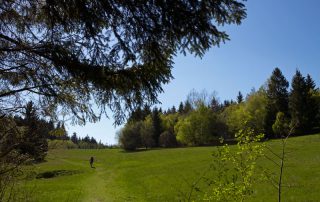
x=163, y=174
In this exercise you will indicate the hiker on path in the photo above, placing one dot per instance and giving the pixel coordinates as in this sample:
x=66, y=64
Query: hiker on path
x=91, y=161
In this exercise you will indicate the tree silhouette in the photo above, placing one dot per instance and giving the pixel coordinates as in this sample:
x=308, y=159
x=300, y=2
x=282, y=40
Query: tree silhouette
x=239, y=97
x=277, y=99
x=116, y=54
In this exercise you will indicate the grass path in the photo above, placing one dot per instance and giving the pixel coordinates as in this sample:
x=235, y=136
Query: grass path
x=99, y=185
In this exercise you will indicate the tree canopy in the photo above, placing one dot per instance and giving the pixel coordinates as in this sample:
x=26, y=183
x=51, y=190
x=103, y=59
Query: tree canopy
x=277, y=99
x=203, y=119
x=116, y=55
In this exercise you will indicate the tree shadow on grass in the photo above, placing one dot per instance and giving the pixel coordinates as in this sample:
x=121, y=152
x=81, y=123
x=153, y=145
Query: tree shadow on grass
x=56, y=173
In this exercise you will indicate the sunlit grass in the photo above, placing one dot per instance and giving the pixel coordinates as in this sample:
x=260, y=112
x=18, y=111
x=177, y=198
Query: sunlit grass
x=165, y=174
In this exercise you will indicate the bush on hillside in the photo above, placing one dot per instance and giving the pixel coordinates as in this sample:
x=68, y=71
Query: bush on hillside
x=167, y=139
x=61, y=144
x=129, y=137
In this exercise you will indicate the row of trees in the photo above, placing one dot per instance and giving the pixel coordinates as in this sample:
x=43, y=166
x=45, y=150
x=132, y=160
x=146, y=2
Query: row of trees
x=202, y=119
x=34, y=132
x=299, y=108
x=86, y=142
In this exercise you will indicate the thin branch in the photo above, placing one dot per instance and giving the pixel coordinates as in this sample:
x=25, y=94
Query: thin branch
x=269, y=149
x=12, y=92
x=284, y=142
x=270, y=159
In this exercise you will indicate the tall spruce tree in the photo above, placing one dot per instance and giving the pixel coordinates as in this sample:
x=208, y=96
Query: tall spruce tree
x=215, y=105
x=34, y=142
x=181, y=108
x=156, y=124
x=239, y=97
x=311, y=85
x=136, y=115
x=297, y=103
x=312, y=108
x=173, y=110
x=146, y=111
x=74, y=138
x=187, y=107
x=139, y=114
x=277, y=99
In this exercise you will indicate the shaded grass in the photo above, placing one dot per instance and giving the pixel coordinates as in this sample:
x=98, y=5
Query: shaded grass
x=56, y=173
x=166, y=174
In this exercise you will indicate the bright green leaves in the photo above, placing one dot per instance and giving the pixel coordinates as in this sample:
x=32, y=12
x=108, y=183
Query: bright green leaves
x=197, y=128
x=235, y=168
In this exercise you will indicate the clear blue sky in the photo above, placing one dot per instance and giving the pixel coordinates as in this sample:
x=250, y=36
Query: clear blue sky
x=284, y=34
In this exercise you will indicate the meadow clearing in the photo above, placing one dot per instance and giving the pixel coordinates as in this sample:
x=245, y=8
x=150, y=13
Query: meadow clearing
x=164, y=174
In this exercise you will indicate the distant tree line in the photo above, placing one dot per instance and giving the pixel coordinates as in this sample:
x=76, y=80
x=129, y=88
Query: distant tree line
x=59, y=138
x=32, y=133
x=86, y=142
x=202, y=119
x=71, y=142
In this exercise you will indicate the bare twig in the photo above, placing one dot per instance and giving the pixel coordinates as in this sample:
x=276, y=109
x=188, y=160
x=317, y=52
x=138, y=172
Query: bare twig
x=282, y=160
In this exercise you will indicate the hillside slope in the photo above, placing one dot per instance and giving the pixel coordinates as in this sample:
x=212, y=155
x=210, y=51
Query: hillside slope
x=163, y=174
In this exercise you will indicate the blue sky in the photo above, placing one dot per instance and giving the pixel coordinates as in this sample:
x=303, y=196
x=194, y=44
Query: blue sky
x=284, y=34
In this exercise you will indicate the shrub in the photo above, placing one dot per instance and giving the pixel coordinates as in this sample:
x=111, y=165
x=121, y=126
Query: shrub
x=167, y=139
x=281, y=125
x=129, y=137
x=61, y=144
x=236, y=169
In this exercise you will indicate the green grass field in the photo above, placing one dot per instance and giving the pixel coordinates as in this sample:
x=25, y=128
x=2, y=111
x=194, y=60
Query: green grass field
x=163, y=174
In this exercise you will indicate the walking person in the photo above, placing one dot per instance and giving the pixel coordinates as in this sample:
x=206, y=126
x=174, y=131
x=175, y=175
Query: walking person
x=91, y=162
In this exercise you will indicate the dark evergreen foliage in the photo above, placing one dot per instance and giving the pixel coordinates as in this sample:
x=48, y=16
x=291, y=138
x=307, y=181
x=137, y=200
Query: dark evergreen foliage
x=93, y=141
x=116, y=53
x=298, y=98
x=311, y=85
x=181, y=108
x=303, y=108
x=277, y=99
x=215, y=105
x=312, y=105
x=86, y=139
x=34, y=140
x=227, y=103
x=187, y=107
x=156, y=124
x=139, y=114
x=173, y=110
x=239, y=97
x=74, y=138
